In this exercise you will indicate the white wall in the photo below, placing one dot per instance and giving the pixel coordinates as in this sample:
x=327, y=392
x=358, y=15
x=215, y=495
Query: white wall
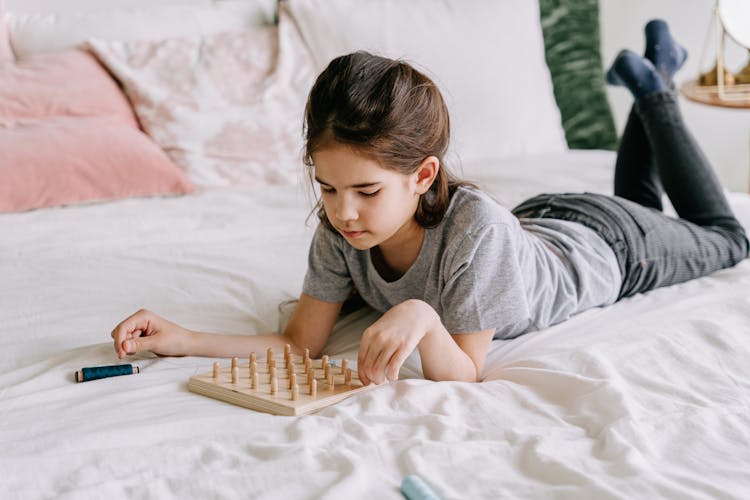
x=724, y=134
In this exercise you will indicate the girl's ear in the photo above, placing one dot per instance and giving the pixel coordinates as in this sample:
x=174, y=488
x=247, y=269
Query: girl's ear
x=426, y=174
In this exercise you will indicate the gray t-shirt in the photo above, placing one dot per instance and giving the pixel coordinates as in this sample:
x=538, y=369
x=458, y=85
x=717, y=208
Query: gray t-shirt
x=481, y=268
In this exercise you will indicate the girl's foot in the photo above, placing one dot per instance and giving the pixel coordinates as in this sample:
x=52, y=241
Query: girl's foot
x=667, y=55
x=636, y=73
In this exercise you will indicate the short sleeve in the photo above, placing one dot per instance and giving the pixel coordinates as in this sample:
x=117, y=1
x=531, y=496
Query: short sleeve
x=484, y=288
x=327, y=276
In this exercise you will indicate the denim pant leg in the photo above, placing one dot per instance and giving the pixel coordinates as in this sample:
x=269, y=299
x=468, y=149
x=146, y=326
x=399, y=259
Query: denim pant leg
x=652, y=249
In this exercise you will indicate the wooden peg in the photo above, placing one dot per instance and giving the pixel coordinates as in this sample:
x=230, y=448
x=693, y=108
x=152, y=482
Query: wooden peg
x=310, y=377
x=253, y=359
x=253, y=367
x=326, y=370
x=271, y=373
x=344, y=365
x=308, y=364
x=272, y=363
x=292, y=380
x=254, y=381
x=287, y=350
x=217, y=369
x=235, y=374
x=330, y=381
x=324, y=360
x=295, y=392
x=348, y=376
x=269, y=355
x=234, y=362
x=307, y=355
x=274, y=386
x=314, y=388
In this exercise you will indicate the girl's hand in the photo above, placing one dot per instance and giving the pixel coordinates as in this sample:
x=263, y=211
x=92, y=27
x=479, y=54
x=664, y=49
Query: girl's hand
x=389, y=341
x=145, y=331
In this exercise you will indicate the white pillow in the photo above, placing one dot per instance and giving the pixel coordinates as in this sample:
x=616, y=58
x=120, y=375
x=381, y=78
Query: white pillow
x=47, y=32
x=487, y=57
x=227, y=108
x=5, y=53
x=68, y=6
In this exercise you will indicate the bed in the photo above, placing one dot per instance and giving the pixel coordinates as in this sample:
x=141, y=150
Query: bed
x=646, y=398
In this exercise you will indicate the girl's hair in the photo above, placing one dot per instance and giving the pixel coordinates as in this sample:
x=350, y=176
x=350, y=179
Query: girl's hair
x=385, y=110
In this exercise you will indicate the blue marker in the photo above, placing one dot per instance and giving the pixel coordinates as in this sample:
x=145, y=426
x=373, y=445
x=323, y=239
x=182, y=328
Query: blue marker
x=97, y=372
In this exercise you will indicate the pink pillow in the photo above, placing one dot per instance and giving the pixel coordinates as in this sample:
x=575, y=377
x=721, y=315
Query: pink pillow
x=70, y=83
x=6, y=54
x=62, y=160
x=68, y=135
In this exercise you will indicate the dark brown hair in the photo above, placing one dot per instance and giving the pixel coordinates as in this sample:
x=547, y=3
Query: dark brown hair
x=387, y=111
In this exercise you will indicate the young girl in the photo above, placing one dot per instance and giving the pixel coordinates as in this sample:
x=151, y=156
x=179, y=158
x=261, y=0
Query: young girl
x=450, y=269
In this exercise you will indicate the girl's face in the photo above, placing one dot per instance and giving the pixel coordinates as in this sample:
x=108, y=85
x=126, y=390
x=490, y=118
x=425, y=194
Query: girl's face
x=366, y=203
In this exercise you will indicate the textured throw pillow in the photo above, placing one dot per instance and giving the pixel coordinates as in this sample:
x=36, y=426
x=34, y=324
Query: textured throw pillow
x=487, y=57
x=571, y=39
x=68, y=135
x=6, y=54
x=228, y=108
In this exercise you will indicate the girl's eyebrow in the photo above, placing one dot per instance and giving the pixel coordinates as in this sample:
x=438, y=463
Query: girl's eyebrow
x=360, y=185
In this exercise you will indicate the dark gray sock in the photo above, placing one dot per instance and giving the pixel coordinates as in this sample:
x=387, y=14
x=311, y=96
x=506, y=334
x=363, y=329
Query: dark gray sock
x=636, y=73
x=663, y=50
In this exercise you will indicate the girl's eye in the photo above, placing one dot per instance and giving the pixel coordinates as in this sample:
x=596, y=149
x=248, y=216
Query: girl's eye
x=326, y=190
x=370, y=194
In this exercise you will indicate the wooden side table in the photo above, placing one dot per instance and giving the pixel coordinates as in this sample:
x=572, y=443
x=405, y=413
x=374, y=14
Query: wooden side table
x=734, y=96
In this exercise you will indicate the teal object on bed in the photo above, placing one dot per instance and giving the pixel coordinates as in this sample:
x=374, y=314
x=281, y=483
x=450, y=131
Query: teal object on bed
x=414, y=488
x=572, y=50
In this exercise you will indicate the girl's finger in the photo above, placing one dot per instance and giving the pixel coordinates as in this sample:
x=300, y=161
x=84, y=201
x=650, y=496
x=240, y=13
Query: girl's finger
x=362, y=377
x=361, y=359
x=394, y=365
x=134, y=325
x=371, y=369
x=378, y=371
x=136, y=345
x=134, y=334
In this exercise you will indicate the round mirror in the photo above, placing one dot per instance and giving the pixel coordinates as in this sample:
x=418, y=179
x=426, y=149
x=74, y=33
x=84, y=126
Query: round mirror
x=735, y=16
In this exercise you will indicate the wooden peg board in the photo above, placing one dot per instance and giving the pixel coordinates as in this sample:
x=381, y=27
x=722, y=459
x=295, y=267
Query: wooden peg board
x=281, y=403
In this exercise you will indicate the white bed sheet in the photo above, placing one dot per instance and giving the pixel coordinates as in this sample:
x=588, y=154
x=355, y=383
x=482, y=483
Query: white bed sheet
x=647, y=398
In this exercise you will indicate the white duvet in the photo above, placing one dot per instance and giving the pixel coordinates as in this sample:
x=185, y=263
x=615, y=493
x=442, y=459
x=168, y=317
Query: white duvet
x=647, y=398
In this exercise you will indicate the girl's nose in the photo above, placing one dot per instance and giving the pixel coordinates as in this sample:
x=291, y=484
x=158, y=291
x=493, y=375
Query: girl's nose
x=346, y=209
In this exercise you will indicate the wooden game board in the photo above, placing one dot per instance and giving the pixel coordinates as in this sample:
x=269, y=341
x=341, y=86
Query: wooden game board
x=281, y=403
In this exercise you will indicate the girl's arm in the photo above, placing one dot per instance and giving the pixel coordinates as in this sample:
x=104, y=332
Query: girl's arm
x=310, y=325
x=415, y=324
x=444, y=355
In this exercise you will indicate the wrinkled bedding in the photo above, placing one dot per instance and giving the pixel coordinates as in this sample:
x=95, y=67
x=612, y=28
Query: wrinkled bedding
x=646, y=398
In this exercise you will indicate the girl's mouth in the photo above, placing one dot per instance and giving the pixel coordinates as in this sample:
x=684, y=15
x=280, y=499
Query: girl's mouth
x=352, y=234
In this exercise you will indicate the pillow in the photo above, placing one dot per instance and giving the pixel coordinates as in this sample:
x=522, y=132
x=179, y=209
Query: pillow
x=487, y=57
x=73, y=139
x=571, y=40
x=36, y=33
x=70, y=83
x=81, y=159
x=247, y=90
x=6, y=54
x=45, y=6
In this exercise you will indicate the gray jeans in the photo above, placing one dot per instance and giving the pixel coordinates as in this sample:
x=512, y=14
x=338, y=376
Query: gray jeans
x=657, y=154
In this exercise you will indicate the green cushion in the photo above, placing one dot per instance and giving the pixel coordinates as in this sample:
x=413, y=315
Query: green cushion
x=571, y=42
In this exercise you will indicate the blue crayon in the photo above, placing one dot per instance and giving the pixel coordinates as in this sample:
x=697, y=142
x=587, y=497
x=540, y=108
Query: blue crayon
x=97, y=372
